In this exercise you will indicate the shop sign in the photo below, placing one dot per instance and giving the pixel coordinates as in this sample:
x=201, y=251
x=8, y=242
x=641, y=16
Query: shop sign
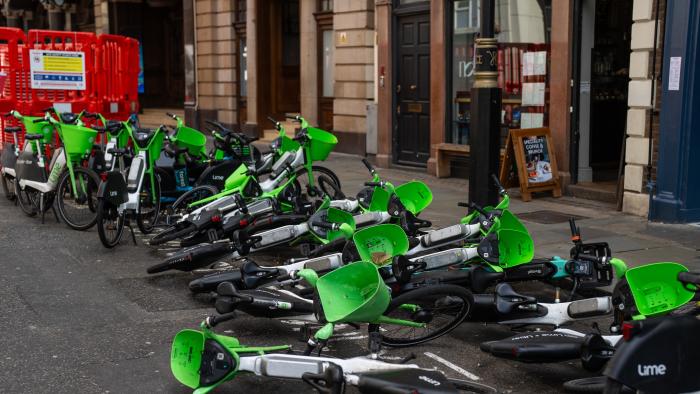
x=63, y=70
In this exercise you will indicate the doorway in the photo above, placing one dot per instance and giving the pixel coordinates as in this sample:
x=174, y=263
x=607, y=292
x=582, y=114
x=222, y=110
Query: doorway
x=605, y=53
x=158, y=26
x=412, y=120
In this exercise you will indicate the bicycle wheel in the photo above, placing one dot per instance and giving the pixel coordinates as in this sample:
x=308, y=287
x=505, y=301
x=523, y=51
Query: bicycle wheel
x=149, y=205
x=110, y=224
x=171, y=233
x=303, y=179
x=24, y=200
x=441, y=307
x=78, y=210
x=181, y=205
x=8, y=187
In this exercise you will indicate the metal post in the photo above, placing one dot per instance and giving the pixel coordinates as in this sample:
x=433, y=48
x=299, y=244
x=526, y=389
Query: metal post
x=485, y=112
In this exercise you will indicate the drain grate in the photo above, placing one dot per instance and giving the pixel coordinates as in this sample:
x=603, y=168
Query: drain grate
x=160, y=293
x=548, y=217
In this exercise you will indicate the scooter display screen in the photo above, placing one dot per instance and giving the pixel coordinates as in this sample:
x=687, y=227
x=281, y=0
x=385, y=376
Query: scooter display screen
x=217, y=362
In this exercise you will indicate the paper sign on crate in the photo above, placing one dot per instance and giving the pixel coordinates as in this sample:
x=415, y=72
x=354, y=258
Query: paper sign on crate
x=64, y=70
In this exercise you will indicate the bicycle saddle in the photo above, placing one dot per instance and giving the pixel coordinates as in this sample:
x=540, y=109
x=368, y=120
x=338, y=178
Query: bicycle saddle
x=254, y=274
x=508, y=299
x=143, y=136
x=13, y=129
x=68, y=117
x=33, y=136
x=113, y=127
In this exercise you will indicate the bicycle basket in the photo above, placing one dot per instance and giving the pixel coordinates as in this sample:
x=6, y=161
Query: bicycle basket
x=77, y=140
x=656, y=289
x=353, y=293
x=192, y=139
x=379, y=244
x=341, y=217
x=514, y=248
x=186, y=357
x=44, y=128
x=321, y=143
x=414, y=195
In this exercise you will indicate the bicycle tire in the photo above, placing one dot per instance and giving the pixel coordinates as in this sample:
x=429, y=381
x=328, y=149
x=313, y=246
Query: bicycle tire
x=434, y=296
x=171, y=233
x=107, y=211
x=9, y=194
x=195, y=194
x=316, y=171
x=24, y=201
x=594, y=384
x=91, y=202
x=147, y=227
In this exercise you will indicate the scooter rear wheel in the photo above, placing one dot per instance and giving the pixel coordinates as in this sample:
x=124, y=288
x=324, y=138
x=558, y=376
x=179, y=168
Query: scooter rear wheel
x=594, y=384
x=110, y=224
x=441, y=307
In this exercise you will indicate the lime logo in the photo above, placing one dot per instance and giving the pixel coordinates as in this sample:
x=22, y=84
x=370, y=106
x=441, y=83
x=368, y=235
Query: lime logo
x=113, y=193
x=651, y=370
x=217, y=177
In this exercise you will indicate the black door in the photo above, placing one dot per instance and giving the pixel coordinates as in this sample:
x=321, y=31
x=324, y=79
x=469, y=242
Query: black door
x=412, y=124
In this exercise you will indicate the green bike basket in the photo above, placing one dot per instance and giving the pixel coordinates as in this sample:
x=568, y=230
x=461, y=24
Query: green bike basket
x=191, y=139
x=321, y=143
x=353, y=293
x=338, y=216
x=414, y=195
x=380, y=200
x=514, y=248
x=44, y=128
x=77, y=140
x=656, y=289
x=508, y=221
x=186, y=357
x=379, y=244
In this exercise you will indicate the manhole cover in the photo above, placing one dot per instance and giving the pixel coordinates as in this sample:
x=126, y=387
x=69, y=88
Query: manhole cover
x=548, y=217
x=160, y=293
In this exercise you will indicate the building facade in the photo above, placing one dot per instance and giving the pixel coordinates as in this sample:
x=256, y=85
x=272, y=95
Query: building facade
x=392, y=78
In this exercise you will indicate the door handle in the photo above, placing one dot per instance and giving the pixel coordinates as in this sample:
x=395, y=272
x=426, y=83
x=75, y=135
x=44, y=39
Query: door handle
x=398, y=88
x=398, y=109
x=413, y=87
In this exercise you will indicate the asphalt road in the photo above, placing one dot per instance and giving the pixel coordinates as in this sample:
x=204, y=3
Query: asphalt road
x=76, y=317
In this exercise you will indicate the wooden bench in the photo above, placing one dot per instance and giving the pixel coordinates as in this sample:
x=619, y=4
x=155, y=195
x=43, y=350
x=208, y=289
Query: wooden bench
x=445, y=152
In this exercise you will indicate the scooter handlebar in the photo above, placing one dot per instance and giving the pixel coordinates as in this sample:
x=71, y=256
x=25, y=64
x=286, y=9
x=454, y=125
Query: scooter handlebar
x=213, y=321
x=171, y=115
x=373, y=184
x=39, y=120
x=369, y=166
x=497, y=183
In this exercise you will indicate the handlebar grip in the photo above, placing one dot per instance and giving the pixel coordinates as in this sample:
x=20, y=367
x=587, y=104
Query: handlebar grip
x=271, y=119
x=477, y=208
x=689, y=277
x=171, y=115
x=295, y=117
x=373, y=184
x=367, y=164
x=7, y=115
x=463, y=204
x=574, y=229
x=213, y=321
x=497, y=183
x=328, y=226
x=39, y=120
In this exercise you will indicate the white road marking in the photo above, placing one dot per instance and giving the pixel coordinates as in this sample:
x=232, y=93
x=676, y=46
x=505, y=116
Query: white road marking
x=452, y=366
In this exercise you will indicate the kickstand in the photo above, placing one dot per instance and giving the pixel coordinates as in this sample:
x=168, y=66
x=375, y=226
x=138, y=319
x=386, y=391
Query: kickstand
x=133, y=236
x=375, y=341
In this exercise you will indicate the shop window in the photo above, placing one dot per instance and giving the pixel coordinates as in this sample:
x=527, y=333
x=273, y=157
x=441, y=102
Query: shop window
x=522, y=31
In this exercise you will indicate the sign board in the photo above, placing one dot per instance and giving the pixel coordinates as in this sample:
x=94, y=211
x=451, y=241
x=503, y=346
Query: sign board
x=529, y=157
x=63, y=70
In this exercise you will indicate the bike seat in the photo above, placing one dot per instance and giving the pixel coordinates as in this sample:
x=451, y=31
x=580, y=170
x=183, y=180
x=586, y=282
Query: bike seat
x=32, y=137
x=482, y=279
x=143, y=136
x=113, y=127
x=13, y=129
x=117, y=151
x=68, y=117
x=508, y=299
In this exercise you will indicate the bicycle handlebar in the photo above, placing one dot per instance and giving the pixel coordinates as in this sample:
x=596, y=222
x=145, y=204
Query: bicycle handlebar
x=692, y=278
x=477, y=208
x=497, y=183
x=369, y=166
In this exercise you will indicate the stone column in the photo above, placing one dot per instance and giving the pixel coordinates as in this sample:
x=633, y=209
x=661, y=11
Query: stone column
x=309, y=81
x=438, y=80
x=102, y=16
x=353, y=22
x=252, y=59
x=636, y=200
x=383, y=9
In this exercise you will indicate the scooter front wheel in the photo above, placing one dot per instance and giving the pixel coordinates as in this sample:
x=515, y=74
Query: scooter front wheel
x=78, y=209
x=441, y=308
x=110, y=224
x=181, y=205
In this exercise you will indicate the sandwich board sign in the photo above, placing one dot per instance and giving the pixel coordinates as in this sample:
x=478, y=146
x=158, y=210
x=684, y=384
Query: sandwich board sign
x=63, y=70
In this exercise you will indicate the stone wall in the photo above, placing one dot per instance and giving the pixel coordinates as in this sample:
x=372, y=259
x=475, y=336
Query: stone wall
x=641, y=102
x=353, y=22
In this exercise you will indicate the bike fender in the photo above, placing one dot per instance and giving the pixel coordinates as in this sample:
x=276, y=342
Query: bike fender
x=113, y=189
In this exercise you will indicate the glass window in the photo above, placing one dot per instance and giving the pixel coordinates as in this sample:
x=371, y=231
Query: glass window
x=243, y=68
x=326, y=5
x=240, y=10
x=328, y=49
x=522, y=30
